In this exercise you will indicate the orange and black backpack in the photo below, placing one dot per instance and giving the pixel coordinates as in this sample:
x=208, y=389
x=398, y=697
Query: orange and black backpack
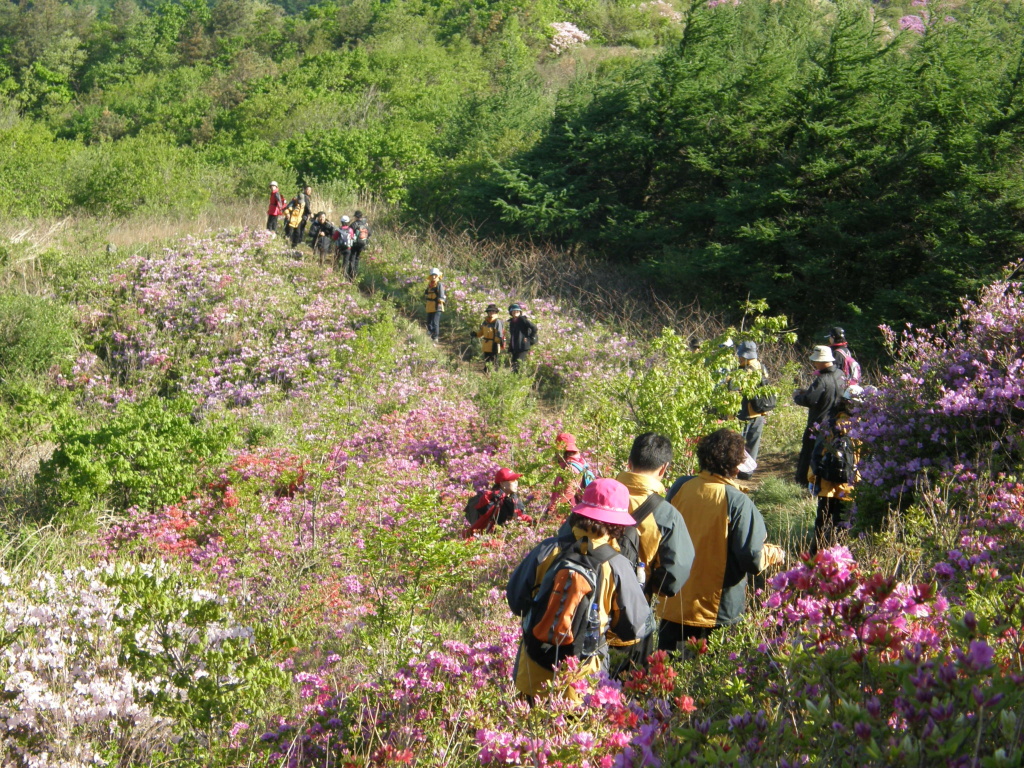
x=565, y=617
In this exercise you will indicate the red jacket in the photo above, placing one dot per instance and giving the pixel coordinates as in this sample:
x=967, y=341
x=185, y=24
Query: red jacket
x=276, y=204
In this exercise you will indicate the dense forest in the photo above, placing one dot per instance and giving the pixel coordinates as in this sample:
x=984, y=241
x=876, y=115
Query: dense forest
x=854, y=162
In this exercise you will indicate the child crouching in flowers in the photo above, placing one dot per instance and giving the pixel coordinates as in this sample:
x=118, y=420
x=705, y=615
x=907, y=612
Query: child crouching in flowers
x=565, y=616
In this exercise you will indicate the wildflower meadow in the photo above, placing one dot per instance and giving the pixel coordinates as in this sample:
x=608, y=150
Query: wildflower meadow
x=241, y=539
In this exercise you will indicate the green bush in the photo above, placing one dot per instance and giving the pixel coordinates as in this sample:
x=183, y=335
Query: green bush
x=35, y=334
x=147, y=454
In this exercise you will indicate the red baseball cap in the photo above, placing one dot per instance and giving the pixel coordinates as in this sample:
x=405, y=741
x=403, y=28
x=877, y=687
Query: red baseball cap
x=504, y=475
x=568, y=442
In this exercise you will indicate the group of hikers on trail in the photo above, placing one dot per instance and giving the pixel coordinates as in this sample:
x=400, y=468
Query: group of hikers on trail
x=517, y=335
x=632, y=557
x=340, y=244
x=633, y=561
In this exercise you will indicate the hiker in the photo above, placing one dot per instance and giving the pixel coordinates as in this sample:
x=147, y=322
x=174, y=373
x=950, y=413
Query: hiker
x=665, y=552
x=434, y=296
x=497, y=506
x=752, y=408
x=344, y=236
x=569, y=487
x=833, y=473
x=275, y=208
x=307, y=211
x=845, y=361
x=491, y=335
x=522, y=335
x=729, y=537
x=293, y=219
x=321, y=236
x=361, y=232
x=567, y=614
x=821, y=400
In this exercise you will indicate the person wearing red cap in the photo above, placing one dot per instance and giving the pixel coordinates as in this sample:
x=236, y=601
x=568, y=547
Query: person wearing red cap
x=600, y=517
x=497, y=506
x=569, y=489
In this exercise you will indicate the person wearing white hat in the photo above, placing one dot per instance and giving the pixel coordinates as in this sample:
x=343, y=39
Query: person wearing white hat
x=822, y=400
x=275, y=208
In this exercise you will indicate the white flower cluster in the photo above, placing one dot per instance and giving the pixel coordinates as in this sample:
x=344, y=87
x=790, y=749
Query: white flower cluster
x=567, y=35
x=663, y=9
x=66, y=697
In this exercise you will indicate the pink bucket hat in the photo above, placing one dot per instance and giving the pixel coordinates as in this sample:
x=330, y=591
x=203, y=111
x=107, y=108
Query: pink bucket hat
x=607, y=501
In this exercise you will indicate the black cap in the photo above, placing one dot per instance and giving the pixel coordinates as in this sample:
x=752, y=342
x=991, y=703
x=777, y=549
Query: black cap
x=836, y=334
x=492, y=308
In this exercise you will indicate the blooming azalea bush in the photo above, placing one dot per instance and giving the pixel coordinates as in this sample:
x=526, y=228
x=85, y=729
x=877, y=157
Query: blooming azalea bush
x=951, y=402
x=122, y=660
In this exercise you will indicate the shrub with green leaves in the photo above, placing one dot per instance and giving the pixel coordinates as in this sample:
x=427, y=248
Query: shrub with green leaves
x=35, y=334
x=147, y=454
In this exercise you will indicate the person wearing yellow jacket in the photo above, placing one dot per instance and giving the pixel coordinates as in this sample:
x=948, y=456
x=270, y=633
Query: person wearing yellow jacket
x=730, y=541
x=491, y=334
x=434, y=296
x=664, y=551
x=599, y=519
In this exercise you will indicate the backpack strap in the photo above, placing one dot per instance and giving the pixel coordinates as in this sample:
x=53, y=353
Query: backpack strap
x=642, y=512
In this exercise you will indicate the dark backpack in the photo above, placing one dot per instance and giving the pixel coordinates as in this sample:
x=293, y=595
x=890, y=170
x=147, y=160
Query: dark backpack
x=479, y=505
x=835, y=459
x=556, y=626
x=766, y=401
x=362, y=232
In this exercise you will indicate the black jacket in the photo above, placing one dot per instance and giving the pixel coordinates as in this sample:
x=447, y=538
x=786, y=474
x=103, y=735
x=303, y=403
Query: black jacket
x=823, y=398
x=522, y=334
x=325, y=228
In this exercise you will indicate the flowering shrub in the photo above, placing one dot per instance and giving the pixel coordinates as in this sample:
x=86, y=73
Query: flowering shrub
x=118, y=658
x=567, y=36
x=663, y=9
x=952, y=400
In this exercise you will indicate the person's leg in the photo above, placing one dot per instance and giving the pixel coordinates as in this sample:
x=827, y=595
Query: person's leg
x=822, y=526
x=433, y=323
x=804, y=462
x=670, y=636
x=752, y=440
x=272, y=223
x=356, y=251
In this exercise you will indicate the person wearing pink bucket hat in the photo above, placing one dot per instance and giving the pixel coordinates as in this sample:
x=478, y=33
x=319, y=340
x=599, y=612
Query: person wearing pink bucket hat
x=544, y=582
x=569, y=488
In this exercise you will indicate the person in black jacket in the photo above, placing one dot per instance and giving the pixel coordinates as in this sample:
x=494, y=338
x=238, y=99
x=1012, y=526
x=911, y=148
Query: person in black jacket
x=361, y=238
x=822, y=400
x=321, y=235
x=522, y=335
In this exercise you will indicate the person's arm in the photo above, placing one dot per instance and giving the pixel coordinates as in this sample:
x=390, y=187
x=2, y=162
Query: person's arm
x=441, y=296
x=499, y=333
x=809, y=397
x=631, y=614
x=675, y=554
x=747, y=533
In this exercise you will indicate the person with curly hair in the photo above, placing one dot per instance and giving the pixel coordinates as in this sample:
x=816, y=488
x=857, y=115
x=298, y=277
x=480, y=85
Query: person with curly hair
x=729, y=539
